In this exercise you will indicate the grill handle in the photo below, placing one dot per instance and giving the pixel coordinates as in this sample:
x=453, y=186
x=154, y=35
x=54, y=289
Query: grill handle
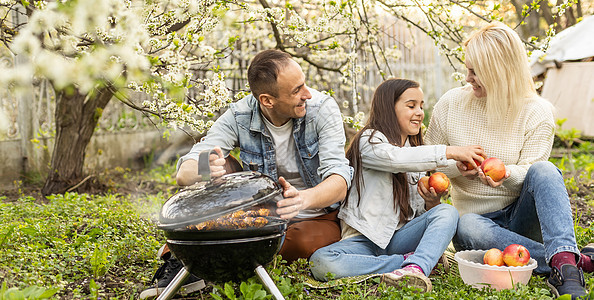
x=268, y=283
x=253, y=166
x=204, y=164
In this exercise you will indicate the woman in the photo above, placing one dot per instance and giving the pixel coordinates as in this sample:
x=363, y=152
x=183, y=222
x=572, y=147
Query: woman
x=500, y=110
x=387, y=225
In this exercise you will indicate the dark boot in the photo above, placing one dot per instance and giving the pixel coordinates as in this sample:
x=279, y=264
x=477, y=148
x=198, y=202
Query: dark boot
x=165, y=275
x=567, y=281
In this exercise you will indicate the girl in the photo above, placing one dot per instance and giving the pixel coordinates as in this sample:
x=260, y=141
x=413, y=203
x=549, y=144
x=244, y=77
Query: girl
x=388, y=225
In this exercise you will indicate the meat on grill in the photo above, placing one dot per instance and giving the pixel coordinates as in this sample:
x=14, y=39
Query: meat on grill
x=236, y=220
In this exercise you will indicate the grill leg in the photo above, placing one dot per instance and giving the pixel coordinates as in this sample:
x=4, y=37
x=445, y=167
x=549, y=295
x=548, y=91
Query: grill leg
x=268, y=283
x=174, y=285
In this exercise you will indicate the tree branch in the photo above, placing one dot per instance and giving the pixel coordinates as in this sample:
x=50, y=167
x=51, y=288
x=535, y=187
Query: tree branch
x=276, y=33
x=365, y=21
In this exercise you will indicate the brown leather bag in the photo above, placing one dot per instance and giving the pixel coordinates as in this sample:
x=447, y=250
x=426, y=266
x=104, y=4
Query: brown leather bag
x=232, y=165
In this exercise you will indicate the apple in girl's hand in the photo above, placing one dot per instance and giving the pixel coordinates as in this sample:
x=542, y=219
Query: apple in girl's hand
x=439, y=182
x=493, y=257
x=516, y=255
x=469, y=166
x=425, y=181
x=494, y=168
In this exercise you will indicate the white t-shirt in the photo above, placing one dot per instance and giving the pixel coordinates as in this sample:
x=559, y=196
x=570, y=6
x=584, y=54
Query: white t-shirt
x=286, y=160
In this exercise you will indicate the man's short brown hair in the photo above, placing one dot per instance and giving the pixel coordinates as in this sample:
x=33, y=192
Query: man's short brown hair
x=263, y=71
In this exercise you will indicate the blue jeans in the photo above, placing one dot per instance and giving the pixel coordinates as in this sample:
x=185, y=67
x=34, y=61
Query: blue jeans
x=540, y=220
x=428, y=235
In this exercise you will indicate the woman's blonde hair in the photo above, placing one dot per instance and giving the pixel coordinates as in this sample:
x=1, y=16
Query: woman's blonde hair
x=500, y=61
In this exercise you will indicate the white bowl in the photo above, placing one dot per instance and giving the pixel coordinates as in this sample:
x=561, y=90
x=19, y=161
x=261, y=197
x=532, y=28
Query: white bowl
x=479, y=275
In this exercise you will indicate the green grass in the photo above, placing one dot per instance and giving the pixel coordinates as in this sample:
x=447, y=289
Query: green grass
x=72, y=239
x=79, y=246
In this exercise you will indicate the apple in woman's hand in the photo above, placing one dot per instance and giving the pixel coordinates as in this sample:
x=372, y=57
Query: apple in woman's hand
x=494, y=168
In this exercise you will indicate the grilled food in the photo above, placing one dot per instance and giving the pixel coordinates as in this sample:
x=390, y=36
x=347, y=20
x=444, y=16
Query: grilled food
x=236, y=220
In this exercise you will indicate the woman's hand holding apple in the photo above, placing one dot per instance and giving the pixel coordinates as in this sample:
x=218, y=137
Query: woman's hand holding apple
x=493, y=172
x=489, y=181
x=471, y=174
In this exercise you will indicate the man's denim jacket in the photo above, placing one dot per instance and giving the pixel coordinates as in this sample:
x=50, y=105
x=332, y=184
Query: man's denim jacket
x=319, y=137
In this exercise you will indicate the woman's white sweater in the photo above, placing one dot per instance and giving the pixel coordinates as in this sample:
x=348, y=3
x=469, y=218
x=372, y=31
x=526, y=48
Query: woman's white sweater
x=460, y=120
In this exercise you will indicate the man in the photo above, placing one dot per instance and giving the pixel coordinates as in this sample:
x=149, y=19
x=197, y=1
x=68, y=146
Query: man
x=295, y=135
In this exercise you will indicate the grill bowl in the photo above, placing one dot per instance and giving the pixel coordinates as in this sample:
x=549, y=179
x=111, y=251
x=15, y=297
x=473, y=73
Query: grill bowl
x=226, y=260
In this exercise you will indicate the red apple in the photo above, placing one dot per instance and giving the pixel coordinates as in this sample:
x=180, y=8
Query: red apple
x=425, y=181
x=516, y=255
x=439, y=182
x=494, y=168
x=469, y=166
x=493, y=257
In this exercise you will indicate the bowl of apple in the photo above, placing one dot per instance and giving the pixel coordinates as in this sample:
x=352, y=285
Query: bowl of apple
x=495, y=268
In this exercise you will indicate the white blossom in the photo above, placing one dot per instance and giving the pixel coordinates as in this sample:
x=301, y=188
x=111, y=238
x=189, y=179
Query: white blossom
x=186, y=72
x=459, y=77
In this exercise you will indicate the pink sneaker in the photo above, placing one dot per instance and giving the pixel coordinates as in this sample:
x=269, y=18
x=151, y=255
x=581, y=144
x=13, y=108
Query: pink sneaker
x=410, y=276
x=406, y=255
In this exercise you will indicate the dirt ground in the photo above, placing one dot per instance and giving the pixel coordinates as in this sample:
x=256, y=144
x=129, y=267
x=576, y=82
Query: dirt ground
x=582, y=203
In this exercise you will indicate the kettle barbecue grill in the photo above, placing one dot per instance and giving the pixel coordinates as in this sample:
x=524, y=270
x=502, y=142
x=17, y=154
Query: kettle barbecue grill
x=224, y=229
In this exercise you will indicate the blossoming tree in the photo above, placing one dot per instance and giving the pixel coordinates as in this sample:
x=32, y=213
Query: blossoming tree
x=95, y=51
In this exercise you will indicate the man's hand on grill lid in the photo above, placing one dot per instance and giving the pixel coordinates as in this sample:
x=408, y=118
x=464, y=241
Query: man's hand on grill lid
x=217, y=162
x=292, y=204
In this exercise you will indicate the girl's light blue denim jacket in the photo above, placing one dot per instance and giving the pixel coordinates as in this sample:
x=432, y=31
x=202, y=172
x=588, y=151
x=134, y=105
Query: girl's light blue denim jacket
x=319, y=137
x=375, y=215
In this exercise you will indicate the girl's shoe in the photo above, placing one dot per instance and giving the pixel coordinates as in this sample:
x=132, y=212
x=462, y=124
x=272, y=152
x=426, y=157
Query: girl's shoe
x=408, y=276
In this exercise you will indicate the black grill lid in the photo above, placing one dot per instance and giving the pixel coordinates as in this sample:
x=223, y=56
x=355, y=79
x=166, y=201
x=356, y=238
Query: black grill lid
x=226, y=194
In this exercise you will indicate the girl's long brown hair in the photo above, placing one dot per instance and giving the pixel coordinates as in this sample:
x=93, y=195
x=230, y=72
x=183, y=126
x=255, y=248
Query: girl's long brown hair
x=382, y=117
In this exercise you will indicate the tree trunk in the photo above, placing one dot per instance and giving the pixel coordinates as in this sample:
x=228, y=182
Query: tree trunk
x=76, y=118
